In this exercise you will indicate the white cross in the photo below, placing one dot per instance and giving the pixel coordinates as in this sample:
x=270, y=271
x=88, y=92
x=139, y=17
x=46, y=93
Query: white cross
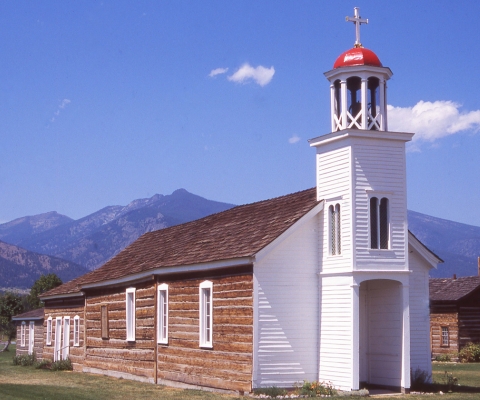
x=357, y=20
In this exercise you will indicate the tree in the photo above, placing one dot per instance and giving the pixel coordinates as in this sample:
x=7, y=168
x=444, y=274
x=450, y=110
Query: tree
x=10, y=304
x=41, y=285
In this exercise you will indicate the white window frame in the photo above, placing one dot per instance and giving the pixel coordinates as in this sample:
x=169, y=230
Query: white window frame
x=335, y=229
x=22, y=333
x=66, y=338
x=49, y=332
x=31, y=337
x=162, y=315
x=377, y=228
x=76, y=331
x=58, y=339
x=445, y=336
x=206, y=314
x=130, y=313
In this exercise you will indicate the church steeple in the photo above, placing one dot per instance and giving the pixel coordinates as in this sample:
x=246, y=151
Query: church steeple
x=358, y=87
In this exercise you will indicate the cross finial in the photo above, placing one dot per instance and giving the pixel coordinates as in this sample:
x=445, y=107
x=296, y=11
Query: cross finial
x=357, y=20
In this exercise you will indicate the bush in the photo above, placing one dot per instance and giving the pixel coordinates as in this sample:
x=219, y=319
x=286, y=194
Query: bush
x=24, y=360
x=62, y=365
x=449, y=380
x=44, y=364
x=272, y=391
x=314, y=389
x=419, y=379
x=470, y=353
x=443, y=358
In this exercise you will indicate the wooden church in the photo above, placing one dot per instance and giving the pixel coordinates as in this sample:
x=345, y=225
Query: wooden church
x=326, y=284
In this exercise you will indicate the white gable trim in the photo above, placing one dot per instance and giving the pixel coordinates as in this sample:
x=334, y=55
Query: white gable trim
x=424, y=252
x=295, y=227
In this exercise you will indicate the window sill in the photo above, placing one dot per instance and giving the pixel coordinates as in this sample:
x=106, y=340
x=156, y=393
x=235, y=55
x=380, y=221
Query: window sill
x=206, y=346
x=162, y=342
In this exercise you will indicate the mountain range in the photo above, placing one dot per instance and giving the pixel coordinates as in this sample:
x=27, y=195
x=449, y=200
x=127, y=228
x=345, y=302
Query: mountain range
x=52, y=242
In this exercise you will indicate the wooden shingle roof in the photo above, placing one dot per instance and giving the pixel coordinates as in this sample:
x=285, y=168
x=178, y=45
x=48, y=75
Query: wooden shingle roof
x=37, y=314
x=241, y=231
x=449, y=289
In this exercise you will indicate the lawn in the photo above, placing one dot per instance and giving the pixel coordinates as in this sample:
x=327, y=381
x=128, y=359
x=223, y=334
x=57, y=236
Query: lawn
x=28, y=383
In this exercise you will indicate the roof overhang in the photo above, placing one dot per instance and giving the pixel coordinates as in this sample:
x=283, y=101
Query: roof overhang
x=62, y=296
x=423, y=250
x=27, y=318
x=359, y=133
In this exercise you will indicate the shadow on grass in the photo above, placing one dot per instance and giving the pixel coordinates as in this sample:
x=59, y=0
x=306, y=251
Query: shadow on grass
x=12, y=391
x=436, y=387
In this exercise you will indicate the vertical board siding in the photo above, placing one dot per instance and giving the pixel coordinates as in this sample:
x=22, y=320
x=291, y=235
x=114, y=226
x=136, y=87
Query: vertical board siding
x=228, y=365
x=76, y=352
x=419, y=314
x=336, y=345
x=38, y=341
x=380, y=166
x=286, y=289
x=334, y=181
x=116, y=355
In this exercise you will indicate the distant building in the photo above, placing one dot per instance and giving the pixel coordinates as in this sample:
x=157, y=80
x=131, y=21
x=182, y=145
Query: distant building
x=325, y=284
x=454, y=314
x=30, y=333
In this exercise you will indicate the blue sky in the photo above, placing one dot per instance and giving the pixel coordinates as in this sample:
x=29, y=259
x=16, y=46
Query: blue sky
x=104, y=102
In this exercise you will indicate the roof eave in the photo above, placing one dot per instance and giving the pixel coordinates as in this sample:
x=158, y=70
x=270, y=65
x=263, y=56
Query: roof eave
x=62, y=295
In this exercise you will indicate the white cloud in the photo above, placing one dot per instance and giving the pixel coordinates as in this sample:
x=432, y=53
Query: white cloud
x=217, y=71
x=261, y=75
x=61, y=106
x=432, y=120
x=64, y=103
x=294, y=139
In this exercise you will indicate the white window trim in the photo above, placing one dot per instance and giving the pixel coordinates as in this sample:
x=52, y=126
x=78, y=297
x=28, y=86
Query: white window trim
x=22, y=333
x=76, y=331
x=162, y=315
x=66, y=338
x=130, y=314
x=203, y=312
x=337, y=226
x=379, y=196
x=31, y=337
x=58, y=339
x=49, y=331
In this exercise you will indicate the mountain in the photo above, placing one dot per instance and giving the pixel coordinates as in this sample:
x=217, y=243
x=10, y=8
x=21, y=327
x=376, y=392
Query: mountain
x=94, y=239
x=457, y=244
x=20, y=268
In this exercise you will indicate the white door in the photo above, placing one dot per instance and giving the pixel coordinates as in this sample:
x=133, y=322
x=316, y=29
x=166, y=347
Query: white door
x=31, y=337
x=58, y=338
x=66, y=338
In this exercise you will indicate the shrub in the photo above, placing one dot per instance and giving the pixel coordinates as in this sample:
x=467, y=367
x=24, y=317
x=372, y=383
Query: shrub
x=271, y=391
x=419, y=379
x=44, y=364
x=470, y=353
x=62, y=365
x=449, y=380
x=443, y=358
x=24, y=360
x=314, y=389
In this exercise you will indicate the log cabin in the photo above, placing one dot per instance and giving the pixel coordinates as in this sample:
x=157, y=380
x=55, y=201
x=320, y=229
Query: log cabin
x=326, y=284
x=454, y=314
x=30, y=335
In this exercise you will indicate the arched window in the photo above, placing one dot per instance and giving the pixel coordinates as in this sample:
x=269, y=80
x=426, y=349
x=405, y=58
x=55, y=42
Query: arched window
x=354, y=102
x=373, y=94
x=335, y=229
x=379, y=223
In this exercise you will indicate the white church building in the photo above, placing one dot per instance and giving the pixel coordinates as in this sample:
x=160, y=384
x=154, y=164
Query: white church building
x=326, y=284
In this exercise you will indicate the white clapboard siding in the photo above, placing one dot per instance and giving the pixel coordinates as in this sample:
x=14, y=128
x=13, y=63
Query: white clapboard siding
x=379, y=166
x=336, y=331
x=333, y=186
x=419, y=314
x=286, y=320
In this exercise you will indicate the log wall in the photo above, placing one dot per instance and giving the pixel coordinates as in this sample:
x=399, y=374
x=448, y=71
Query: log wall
x=228, y=365
x=114, y=355
x=76, y=352
x=38, y=340
x=469, y=319
x=440, y=317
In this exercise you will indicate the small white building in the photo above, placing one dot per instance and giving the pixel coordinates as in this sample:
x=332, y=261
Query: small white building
x=321, y=285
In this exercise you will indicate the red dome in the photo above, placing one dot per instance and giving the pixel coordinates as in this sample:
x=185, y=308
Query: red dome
x=357, y=56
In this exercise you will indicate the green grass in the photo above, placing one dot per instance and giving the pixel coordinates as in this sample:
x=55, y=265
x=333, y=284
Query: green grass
x=467, y=374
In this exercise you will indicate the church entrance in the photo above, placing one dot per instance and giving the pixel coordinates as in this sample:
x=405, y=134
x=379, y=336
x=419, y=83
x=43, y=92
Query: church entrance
x=380, y=336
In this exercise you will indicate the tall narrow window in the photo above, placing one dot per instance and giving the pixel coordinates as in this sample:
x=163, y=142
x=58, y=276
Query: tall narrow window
x=335, y=229
x=104, y=321
x=49, y=331
x=206, y=314
x=58, y=339
x=66, y=338
x=31, y=337
x=379, y=223
x=130, y=314
x=163, y=313
x=76, y=331
x=445, y=336
x=22, y=334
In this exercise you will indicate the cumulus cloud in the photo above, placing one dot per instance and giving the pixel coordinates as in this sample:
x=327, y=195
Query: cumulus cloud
x=260, y=75
x=217, y=71
x=432, y=120
x=294, y=139
x=60, y=107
